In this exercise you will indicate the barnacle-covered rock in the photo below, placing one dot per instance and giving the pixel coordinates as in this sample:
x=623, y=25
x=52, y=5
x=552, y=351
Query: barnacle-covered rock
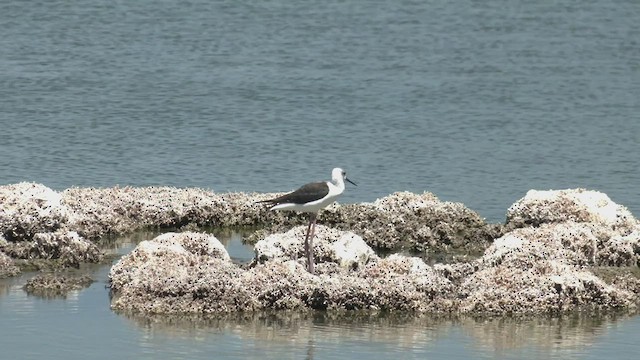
x=419, y=221
x=165, y=275
x=122, y=209
x=56, y=285
x=178, y=273
x=577, y=205
x=620, y=250
x=542, y=287
x=541, y=270
x=67, y=248
x=7, y=266
x=28, y=208
x=346, y=249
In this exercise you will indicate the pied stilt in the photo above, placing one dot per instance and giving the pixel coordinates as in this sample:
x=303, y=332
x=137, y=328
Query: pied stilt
x=311, y=198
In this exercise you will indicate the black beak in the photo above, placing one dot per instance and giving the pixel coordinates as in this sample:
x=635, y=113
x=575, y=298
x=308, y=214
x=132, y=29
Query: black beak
x=351, y=182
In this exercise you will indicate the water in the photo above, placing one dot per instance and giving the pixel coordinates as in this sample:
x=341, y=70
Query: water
x=475, y=101
x=82, y=325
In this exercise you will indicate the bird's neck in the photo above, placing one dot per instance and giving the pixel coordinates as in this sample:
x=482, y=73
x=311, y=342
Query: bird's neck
x=339, y=183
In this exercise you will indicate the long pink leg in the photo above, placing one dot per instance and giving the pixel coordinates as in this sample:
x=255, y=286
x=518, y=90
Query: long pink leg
x=306, y=239
x=309, y=244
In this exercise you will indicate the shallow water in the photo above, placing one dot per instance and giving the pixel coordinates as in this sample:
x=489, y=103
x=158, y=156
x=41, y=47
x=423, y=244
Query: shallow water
x=475, y=101
x=82, y=325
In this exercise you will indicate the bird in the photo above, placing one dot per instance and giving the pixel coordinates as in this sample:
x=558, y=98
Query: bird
x=311, y=198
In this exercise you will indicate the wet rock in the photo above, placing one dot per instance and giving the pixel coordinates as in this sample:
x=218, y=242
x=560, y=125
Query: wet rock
x=577, y=205
x=164, y=276
x=620, y=250
x=177, y=272
x=543, y=287
x=7, y=266
x=118, y=210
x=627, y=278
x=541, y=270
x=67, y=248
x=346, y=249
x=56, y=285
x=418, y=221
x=456, y=272
x=28, y=208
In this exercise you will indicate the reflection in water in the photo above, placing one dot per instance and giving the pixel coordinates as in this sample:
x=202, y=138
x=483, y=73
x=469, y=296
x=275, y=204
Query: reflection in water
x=554, y=334
x=405, y=332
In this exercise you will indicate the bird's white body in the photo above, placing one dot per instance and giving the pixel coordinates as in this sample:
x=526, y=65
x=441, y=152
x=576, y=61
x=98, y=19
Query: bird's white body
x=336, y=187
x=311, y=198
x=315, y=206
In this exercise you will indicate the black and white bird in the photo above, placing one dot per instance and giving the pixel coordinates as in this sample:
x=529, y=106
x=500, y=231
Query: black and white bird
x=311, y=198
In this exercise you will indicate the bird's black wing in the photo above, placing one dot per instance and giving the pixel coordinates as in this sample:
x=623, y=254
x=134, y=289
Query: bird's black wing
x=306, y=193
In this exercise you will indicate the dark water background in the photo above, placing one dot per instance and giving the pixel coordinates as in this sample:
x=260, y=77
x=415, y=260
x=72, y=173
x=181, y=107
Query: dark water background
x=475, y=101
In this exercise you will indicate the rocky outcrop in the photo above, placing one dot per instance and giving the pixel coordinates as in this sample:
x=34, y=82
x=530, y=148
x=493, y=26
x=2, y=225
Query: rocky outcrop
x=345, y=249
x=63, y=248
x=548, y=257
x=7, y=266
x=577, y=205
x=416, y=221
x=27, y=209
x=56, y=285
x=532, y=272
x=164, y=276
x=528, y=271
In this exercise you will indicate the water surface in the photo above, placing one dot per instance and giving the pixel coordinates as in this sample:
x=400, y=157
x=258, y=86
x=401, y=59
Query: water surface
x=475, y=101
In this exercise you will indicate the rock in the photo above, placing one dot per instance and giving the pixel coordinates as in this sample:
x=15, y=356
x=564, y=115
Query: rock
x=577, y=205
x=541, y=270
x=620, y=250
x=118, y=210
x=56, y=285
x=28, y=209
x=66, y=247
x=7, y=267
x=543, y=287
x=351, y=251
x=165, y=276
x=420, y=221
x=571, y=243
x=177, y=272
x=184, y=284
x=346, y=249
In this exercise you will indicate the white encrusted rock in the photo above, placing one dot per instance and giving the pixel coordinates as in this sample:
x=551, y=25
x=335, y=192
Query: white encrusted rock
x=351, y=251
x=548, y=285
x=168, y=253
x=579, y=205
x=344, y=248
x=30, y=208
x=543, y=269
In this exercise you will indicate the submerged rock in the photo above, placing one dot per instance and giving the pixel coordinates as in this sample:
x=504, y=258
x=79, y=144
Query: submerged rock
x=7, y=266
x=56, y=285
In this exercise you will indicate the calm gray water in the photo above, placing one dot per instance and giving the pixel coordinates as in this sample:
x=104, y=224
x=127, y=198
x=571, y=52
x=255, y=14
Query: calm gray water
x=475, y=101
